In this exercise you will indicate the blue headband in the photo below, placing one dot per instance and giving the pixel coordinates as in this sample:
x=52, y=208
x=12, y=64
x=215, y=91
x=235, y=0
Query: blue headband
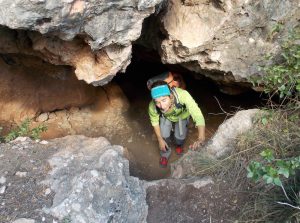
x=160, y=91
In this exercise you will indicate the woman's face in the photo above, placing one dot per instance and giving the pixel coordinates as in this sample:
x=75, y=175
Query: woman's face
x=163, y=103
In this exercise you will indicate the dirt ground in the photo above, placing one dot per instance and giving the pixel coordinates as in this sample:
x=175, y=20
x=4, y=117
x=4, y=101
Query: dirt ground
x=174, y=202
x=24, y=168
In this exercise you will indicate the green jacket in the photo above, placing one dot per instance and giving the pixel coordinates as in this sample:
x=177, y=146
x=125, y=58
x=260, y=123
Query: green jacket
x=190, y=108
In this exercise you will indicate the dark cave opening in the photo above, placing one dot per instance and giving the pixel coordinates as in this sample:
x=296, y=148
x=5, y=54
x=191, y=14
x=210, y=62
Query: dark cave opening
x=215, y=106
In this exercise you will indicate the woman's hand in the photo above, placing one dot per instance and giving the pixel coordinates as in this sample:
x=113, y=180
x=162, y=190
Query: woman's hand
x=197, y=144
x=162, y=144
x=201, y=138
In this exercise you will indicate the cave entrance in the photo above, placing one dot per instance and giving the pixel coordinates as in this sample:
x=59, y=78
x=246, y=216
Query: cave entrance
x=52, y=95
x=141, y=142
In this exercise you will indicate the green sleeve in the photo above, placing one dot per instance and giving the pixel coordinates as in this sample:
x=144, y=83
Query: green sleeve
x=192, y=107
x=153, y=114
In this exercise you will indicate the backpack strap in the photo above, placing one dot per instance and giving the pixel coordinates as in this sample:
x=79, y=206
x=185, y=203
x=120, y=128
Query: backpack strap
x=177, y=102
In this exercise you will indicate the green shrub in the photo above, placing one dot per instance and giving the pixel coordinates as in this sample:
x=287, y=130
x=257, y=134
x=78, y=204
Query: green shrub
x=36, y=132
x=24, y=130
x=283, y=78
x=274, y=164
x=271, y=169
x=277, y=136
x=269, y=154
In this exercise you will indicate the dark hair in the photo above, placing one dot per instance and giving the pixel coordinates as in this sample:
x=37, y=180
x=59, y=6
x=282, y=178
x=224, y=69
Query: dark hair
x=159, y=83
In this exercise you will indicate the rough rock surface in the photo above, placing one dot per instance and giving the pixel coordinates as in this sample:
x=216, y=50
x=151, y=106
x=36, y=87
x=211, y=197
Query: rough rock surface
x=74, y=178
x=92, y=183
x=105, y=117
x=31, y=86
x=94, y=37
x=224, y=139
x=220, y=144
x=225, y=40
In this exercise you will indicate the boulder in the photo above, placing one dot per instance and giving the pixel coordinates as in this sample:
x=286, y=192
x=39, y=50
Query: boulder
x=91, y=182
x=224, y=139
x=222, y=143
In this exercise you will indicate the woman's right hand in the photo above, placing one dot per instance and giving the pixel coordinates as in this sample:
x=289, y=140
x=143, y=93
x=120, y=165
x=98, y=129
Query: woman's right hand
x=162, y=145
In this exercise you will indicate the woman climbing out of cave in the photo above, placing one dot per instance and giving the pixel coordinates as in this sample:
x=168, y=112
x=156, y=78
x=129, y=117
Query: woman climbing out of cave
x=172, y=108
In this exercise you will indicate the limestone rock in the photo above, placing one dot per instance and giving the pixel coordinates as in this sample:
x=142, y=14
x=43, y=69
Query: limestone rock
x=220, y=144
x=21, y=174
x=31, y=87
x=225, y=40
x=91, y=182
x=93, y=37
x=43, y=117
x=105, y=117
x=21, y=139
x=223, y=140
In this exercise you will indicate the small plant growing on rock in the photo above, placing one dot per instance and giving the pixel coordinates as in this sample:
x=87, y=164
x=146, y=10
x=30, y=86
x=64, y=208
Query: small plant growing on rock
x=36, y=132
x=283, y=78
x=67, y=219
x=24, y=130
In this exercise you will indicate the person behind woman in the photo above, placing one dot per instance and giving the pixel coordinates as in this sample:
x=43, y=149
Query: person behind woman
x=172, y=108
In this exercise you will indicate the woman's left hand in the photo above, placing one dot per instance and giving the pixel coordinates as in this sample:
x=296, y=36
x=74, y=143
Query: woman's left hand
x=196, y=144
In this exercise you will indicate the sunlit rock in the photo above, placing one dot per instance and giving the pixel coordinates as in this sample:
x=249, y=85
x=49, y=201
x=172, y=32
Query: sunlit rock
x=222, y=143
x=91, y=182
x=225, y=40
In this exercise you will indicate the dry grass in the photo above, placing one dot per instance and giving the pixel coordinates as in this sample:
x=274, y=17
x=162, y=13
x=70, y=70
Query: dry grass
x=277, y=130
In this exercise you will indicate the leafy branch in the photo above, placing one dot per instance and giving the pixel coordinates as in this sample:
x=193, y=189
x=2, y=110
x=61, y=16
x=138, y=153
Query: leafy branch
x=271, y=170
x=283, y=78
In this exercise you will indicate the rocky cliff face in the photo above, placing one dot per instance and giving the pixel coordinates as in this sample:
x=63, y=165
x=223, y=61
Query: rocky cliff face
x=29, y=86
x=226, y=40
x=50, y=41
x=47, y=46
x=93, y=37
